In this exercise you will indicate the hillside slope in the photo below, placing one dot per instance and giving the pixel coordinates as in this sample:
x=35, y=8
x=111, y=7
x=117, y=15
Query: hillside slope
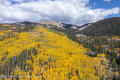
x=46, y=54
x=106, y=27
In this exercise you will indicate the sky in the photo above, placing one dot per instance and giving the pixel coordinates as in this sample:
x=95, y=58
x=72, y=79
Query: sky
x=77, y=12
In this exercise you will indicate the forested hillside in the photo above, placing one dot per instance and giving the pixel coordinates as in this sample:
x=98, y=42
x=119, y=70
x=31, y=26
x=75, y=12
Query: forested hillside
x=45, y=54
x=106, y=27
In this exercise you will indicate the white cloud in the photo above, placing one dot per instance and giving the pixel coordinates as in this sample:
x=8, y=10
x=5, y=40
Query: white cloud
x=107, y=0
x=74, y=11
x=19, y=1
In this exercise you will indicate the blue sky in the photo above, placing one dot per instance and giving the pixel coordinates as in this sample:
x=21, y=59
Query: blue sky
x=77, y=12
x=106, y=5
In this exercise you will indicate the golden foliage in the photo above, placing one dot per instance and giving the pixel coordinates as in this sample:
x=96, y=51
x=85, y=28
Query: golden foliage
x=57, y=58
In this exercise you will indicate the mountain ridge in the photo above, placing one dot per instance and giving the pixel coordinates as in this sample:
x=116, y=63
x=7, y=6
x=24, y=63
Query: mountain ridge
x=105, y=27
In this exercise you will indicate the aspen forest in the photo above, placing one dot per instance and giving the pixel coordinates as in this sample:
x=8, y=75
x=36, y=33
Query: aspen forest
x=45, y=54
x=40, y=53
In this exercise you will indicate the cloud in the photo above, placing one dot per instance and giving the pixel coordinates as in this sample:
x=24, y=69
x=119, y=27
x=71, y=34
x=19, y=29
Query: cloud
x=107, y=0
x=74, y=11
x=19, y=1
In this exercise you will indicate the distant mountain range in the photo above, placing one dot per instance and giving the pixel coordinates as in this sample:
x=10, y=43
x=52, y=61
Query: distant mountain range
x=47, y=24
x=106, y=27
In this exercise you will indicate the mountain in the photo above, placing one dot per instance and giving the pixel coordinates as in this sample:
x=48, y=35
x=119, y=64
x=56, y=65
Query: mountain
x=61, y=50
x=47, y=24
x=69, y=29
x=41, y=53
x=106, y=27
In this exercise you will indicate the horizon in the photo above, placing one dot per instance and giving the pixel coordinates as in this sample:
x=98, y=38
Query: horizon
x=59, y=21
